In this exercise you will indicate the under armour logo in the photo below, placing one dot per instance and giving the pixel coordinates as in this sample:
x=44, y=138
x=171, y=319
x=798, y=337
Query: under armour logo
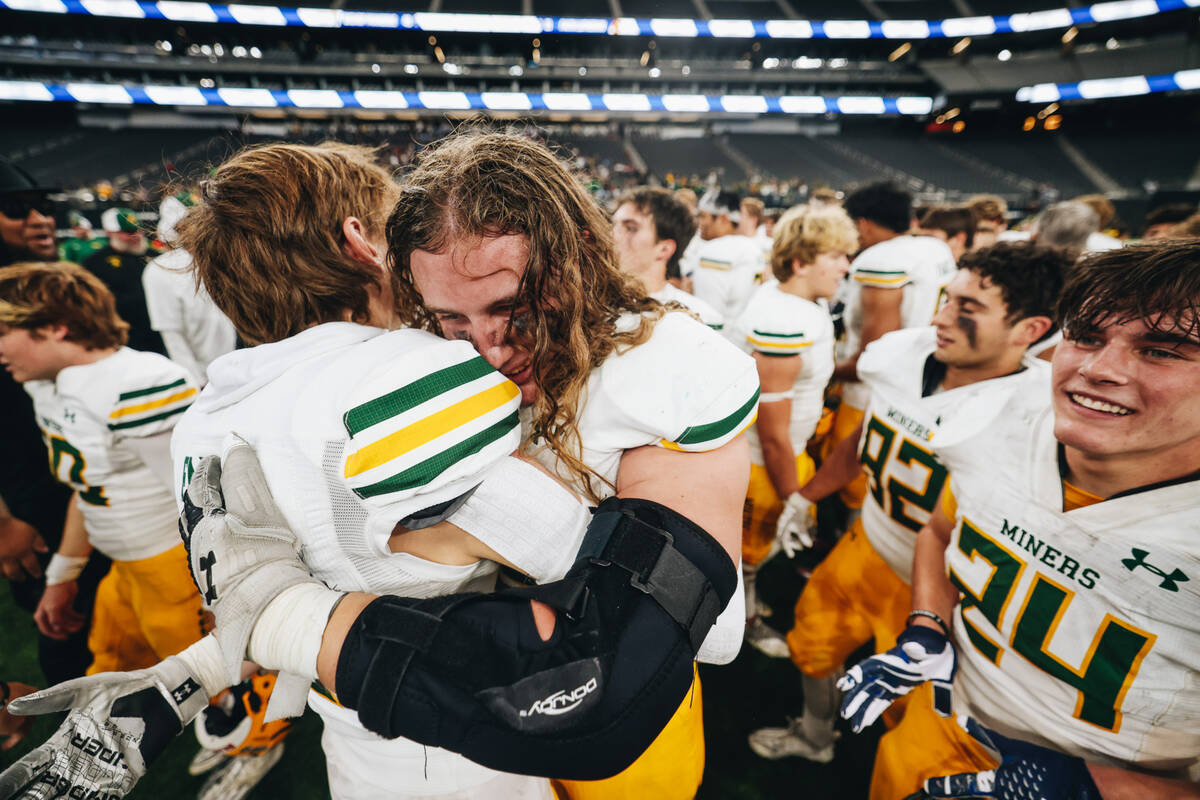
x=184, y=690
x=69, y=416
x=1170, y=580
x=206, y=564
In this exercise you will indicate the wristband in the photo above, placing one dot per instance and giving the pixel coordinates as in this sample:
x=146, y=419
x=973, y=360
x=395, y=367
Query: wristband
x=63, y=569
x=920, y=612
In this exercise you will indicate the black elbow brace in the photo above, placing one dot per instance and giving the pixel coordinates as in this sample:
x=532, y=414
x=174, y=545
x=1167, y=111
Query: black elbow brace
x=469, y=673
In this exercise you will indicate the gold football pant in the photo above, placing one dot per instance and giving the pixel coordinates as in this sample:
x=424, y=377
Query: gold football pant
x=145, y=611
x=671, y=768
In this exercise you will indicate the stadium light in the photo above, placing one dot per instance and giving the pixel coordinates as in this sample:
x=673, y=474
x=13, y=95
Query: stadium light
x=1128, y=86
x=436, y=22
x=247, y=97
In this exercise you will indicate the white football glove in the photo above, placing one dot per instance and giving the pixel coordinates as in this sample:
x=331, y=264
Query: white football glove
x=796, y=529
x=240, y=549
x=118, y=723
x=921, y=654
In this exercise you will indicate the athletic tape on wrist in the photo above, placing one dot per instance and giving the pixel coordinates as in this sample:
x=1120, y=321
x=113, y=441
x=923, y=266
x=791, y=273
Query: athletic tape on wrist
x=288, y=634
x=527, y=517
x=64, y=569
x=204, y=660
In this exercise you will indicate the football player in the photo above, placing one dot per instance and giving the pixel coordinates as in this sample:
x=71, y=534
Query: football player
x=106, y=414
x=650, y=229
x=999, y=303
x=729, y=265
x=427, y=386
x=1055, y=582
x=895, y=282
x=791, y=339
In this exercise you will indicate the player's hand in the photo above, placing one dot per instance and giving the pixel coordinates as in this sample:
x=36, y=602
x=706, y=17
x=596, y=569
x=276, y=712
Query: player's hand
x=240, y=549
x=19, y=546
x=56, y=616
x=118, y=723
x=796, y=529
x=12, y=727
x=1025, y=771
x=921, y=654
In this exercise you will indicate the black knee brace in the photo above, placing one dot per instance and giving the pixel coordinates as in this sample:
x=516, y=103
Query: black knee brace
x=469, y=672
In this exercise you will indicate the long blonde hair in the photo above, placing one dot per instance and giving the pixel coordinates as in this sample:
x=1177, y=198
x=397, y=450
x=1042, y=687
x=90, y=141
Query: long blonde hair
x=475, y=183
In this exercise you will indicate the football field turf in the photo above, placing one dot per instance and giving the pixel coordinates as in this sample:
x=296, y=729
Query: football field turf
x=751, y=692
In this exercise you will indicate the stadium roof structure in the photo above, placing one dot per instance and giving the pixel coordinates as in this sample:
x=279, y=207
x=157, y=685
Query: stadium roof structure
x=440, y=22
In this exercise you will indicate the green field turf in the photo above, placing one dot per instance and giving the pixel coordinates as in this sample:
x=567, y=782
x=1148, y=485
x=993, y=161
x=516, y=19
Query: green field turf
x=751, y=692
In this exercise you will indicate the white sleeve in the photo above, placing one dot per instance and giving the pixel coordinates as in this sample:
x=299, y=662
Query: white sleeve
x=527, y=517
x=723, y=642
x=155, y=452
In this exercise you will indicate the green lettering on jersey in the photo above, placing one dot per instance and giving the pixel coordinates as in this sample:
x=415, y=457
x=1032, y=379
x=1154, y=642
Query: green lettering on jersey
x=1108, y=669
x=877, y=445
x=1006, y=571
x=901, y=493
x=59, y=447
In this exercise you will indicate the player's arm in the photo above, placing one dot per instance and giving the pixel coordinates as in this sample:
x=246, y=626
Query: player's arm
x=709, y=487
x=56, y=616
x=932, y=589
x=837, y=470
x=777, y=374
x=880, y=315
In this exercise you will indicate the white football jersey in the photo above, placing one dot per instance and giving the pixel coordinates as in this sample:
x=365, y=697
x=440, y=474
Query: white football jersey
x=904, y=478
x=1077, y=630
x=707, y=314
x=175, y=304
x=685, y=388
x=728, y=269
x=358, y=428
x=775, y=324
x=87, y=415
x=920, y=266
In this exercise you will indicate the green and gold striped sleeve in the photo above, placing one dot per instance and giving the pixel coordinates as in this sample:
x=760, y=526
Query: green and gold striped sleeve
x=151, y=409
x=778, y=344
x=711, y=435
x=880, y=278
x=412, y=437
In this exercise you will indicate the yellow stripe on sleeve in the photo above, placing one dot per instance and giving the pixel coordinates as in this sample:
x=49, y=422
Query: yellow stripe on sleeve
x=875, y=280
x=153, y=404
x=776, y=345
x=429, y=428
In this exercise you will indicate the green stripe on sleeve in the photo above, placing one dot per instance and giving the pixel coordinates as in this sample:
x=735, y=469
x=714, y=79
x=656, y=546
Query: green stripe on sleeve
x=883, y=272
x=133, y=423
x=152, y=390
x=424, y=472
x=412, y=395
x=779, y=335
x=715, y=430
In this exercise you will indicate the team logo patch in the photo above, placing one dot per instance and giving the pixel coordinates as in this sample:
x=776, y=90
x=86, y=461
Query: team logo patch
x=1170, y=580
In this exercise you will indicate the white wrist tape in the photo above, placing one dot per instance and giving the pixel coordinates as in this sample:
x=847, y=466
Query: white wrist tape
x=287, y=636
x=205, y=662
x=775, y=397
x=63, y=569
x=530, y=519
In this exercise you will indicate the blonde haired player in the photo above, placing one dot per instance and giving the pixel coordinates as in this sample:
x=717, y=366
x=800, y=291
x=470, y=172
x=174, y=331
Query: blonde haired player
x=1056, y=583
x=106, y=414
x=787, y=329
